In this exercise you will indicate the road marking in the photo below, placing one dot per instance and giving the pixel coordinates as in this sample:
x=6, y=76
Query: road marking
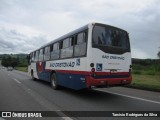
x=17, y=81
x=42, y=102
x=66, y=118
x=60, y=113
x=152, y=101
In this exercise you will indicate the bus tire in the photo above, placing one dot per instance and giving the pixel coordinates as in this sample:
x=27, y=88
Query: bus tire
x=54, y=84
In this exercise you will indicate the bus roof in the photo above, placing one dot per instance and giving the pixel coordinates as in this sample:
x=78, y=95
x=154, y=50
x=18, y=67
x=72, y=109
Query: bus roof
x=66, y=35
x=74, y=32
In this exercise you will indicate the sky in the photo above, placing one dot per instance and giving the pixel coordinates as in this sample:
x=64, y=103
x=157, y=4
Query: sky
x=25, y=25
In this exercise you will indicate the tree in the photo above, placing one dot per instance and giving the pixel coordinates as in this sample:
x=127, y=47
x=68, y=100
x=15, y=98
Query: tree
x=4, y=61
x=14, y=62
x=9, y=61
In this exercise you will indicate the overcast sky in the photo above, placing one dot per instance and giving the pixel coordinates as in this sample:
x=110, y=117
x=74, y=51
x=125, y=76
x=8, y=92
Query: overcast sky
x=26, y=25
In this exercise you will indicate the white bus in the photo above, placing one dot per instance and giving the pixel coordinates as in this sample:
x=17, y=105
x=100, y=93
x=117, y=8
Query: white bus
x=95, y=55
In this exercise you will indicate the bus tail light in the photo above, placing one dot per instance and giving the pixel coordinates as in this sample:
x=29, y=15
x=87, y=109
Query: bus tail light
x=93, y=72
x=130, y=66
x=130, y=69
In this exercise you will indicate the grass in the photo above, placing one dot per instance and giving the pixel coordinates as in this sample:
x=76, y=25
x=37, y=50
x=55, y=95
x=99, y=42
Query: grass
x=24, y=69
x=146, y=77
x=146, y=70
x=149, y=82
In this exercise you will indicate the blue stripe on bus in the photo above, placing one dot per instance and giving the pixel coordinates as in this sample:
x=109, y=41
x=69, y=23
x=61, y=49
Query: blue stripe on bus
x=74, y=81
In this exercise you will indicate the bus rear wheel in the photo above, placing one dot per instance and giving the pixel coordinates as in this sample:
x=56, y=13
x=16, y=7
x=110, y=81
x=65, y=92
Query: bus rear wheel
x=54, y=84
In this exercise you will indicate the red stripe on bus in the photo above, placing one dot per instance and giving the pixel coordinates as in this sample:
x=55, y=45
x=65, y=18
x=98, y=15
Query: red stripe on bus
x=107, y=81
x=88, y=72
x=74, y=72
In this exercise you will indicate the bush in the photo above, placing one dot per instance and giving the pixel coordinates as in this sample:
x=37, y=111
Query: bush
x=137, y=67
x=137, y=72
x=150, y=72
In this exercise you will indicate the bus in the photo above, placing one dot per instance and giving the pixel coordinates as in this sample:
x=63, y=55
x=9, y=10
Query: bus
x=95, y=55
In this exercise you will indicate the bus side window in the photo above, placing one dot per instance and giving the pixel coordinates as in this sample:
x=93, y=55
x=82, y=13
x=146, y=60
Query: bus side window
x=51, y=48
x=60, y=44
x=36, y=56
x=72, y=40
x=32, y=57
x=80, y=44
x=47, y=53
x=67, y=48
x=80, y=38
x=41, y=53
x=55, y=51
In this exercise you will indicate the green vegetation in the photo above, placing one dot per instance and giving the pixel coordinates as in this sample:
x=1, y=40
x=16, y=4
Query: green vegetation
x=17, y=61
x=146, y=67
x=24, y=69
x=146, y=74
x=149, y=82
x=14, y=60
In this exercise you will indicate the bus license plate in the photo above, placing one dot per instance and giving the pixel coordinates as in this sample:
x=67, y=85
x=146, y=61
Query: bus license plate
x=113, y=71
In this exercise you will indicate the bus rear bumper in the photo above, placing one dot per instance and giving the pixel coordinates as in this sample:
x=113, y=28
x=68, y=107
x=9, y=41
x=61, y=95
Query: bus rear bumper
x=90, y=81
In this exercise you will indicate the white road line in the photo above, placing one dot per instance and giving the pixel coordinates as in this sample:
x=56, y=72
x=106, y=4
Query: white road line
x=66, y=118
x=152, y=101
x=60, y=113
x=17, y=81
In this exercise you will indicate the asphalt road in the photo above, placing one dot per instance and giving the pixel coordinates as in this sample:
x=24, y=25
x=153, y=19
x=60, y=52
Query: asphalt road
x=19, y=93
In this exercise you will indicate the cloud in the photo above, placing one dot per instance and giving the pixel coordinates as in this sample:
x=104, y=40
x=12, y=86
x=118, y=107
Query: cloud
x=138, y=53
x=36, y=20
x=13, y=42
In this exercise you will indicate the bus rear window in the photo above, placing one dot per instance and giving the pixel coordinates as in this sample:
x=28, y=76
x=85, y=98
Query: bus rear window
x=111, y=37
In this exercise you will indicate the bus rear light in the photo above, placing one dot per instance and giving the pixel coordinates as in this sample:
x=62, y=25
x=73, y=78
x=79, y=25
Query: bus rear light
x=130, y=66
x=92, y=64
x=93, y=72
x=130, y=70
